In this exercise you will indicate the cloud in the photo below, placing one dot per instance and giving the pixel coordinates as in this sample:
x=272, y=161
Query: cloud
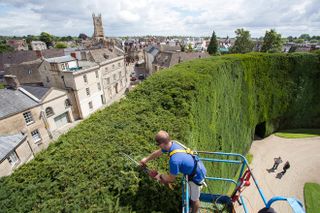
x=155, y=17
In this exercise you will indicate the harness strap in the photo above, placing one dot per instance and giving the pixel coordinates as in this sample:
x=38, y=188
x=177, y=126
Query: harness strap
x=188, y=151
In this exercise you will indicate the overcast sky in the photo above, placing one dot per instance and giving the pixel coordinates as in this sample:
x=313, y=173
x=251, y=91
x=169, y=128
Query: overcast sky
x=160, y=17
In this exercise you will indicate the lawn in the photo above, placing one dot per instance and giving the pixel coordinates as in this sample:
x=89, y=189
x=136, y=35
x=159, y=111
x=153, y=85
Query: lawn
x=298, y=133
x=312, y=197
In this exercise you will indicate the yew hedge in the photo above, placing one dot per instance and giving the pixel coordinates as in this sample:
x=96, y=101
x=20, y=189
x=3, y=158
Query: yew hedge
x=209, y=104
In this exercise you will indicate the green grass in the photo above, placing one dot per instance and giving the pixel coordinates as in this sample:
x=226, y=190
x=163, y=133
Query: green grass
x=312, y=197
x=298, y=133
x=249, y=157
x=1, y=85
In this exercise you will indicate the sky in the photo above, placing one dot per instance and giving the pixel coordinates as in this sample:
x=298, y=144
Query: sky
x=160, y=17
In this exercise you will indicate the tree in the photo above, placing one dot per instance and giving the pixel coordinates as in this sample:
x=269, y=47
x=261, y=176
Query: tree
x=190, y=47
x=299, y=41
x=61, y=45
x=243, y=43
x=83, y=36
x=46, y=38
x=290, y=38
x=4, y=47
x=305, y=37
x=271, y=42
x=30, y=38
x=213, y=45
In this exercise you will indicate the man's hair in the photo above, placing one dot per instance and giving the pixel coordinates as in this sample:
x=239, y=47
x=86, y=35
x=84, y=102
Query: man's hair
x=162, y=137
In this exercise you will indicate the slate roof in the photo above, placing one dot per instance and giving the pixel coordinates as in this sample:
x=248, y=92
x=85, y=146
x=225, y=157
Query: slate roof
x=18, y=57
x=38, y=92
x=60, y=59
x=152, y=50
x=14, y=101
x=103, y=54
x=168, y=59
x=9, y=143
x=26, y=72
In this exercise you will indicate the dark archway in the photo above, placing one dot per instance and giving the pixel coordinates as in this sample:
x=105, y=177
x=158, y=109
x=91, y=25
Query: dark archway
x=260, y=130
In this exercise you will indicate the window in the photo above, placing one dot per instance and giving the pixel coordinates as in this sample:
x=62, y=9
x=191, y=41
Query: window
x=63, y=66
x=108, y=80
x=28, y=117
x=36, y=136
x=88, y=91
x=85, y=79
x=112, y=66
x=114, y=77
x=119, y=65
x=13, y=158
x=106, y=69
x=67, y=103
x=90, y=105
x=49, y=111
x=52, y=67
x=48, y=80
x=99, y=86
x=110, y=92
x=97, y=74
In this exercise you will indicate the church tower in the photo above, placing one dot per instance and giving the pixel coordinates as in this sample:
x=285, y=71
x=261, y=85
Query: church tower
x=98, y=34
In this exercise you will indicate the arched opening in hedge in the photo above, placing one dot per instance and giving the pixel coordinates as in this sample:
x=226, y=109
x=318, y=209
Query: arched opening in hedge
x=260, y=130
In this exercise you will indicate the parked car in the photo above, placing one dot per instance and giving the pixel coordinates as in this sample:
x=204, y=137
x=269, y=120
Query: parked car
x=133, y=78
x=141, y=76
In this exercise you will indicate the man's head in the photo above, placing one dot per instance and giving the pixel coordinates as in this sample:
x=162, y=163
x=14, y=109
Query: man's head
x=162, y=138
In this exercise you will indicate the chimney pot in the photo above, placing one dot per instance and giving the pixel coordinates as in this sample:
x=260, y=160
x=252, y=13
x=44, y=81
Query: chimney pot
x=12, y=81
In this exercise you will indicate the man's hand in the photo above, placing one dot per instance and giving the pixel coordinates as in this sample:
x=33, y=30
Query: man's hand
x=143, y=162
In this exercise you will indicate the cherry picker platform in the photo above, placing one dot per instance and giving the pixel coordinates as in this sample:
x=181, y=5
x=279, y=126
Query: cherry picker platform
x=243, y=180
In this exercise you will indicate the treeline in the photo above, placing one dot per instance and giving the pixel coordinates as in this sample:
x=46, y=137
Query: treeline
x=272, y=42
x=50, y=40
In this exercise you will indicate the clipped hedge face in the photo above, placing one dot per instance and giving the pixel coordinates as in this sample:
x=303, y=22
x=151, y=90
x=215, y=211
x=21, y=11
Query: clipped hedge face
x=209, y=104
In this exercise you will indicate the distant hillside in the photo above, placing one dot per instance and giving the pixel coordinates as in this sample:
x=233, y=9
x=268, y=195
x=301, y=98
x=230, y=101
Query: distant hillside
x=214, y=104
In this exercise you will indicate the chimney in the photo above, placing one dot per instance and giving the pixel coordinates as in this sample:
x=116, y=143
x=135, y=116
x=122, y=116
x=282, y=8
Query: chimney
x=73, y=55
x=83, y=56
x=39, y=54
x=11, y=82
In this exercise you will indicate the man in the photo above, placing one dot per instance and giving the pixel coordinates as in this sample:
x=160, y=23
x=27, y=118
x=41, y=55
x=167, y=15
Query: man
x=277, y=161
x=181, y=160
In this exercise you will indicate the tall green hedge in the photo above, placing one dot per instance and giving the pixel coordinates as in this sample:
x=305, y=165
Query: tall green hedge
x=209, y=104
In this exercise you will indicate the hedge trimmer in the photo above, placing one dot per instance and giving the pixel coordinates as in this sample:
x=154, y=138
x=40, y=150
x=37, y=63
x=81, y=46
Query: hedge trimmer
x=145, y=169
x=151, y=173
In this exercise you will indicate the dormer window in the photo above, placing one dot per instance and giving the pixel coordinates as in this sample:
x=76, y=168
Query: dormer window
x=67, y=103
x=49, y=111
x=105, y=56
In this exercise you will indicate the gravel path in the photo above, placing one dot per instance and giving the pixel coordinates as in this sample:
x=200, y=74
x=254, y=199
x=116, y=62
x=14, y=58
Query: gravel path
x=304, y=157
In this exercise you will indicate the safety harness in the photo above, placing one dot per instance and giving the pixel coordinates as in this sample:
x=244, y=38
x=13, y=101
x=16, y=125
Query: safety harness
x=194, y=156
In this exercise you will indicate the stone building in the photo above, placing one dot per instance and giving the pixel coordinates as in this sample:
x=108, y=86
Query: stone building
x=38, y=45
x=15, y=150
x=26, y=72
x=157, y=59
x=80, y=78
x=33, y=111
x=98, y=34
x=18, y=45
